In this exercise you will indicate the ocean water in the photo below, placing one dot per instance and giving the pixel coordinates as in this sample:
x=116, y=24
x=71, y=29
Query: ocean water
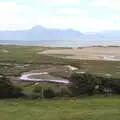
x=62, y=43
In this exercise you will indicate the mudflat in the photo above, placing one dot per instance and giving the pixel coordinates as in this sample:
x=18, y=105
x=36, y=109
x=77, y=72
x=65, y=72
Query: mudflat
x=90, y=53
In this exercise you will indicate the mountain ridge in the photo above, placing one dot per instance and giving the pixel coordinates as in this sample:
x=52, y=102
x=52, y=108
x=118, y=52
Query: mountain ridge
x=42, y=33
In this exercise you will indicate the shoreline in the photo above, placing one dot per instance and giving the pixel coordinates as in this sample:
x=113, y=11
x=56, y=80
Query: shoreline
x=93, y=52
x=63, y=43
x=110, y=53
x=77, y=47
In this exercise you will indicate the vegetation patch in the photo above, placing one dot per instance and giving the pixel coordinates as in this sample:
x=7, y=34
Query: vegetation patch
x=88, y=108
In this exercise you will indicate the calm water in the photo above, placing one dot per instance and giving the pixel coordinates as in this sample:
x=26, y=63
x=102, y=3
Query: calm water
x=62, y=43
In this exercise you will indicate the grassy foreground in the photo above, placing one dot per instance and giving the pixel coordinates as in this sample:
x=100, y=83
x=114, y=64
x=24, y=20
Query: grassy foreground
x=74, y=109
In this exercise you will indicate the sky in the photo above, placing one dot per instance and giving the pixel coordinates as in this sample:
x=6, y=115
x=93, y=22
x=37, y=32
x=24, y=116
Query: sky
x=81, y=15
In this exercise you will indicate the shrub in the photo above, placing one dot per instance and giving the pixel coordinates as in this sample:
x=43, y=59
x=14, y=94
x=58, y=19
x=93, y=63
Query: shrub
x=64, y=92
x=7, y=90
x=49, y=93
x=85, y=84
x=37, y=89
x=38, y=92
x=16, y=92
x=115, y=85
x=34, y=96
x=82, y=84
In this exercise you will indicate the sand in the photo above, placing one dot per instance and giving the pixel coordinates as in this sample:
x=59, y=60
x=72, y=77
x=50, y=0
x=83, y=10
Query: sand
x=90, y=53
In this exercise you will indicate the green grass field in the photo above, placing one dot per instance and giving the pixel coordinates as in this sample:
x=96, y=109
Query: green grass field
x=89, y=108
x=74, y=109
x=101, y=67
x=25, y=54
x=29, y=54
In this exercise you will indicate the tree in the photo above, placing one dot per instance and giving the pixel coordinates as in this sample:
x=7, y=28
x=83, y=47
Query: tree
x=7, y=90
x=39, y=91
x=88, y=84
x=82, y=84
x=49, y=93
x=115, y=85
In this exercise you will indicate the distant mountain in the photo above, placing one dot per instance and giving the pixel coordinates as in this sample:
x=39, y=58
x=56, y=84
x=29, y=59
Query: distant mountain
x=40, y=33
x=105, y=35
x=111, y=34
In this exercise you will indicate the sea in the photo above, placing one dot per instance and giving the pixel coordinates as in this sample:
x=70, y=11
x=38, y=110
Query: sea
x=62, y=43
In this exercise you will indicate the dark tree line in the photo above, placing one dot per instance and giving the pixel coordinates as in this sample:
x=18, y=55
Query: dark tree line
x=88, y=84
x=81, y=84
x=7, y=90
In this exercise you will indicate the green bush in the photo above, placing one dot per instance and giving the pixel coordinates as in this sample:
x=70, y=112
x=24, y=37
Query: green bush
x=64, y=92
x=17, y=92
x=37, y=89
x=49, y=93
x=82, y=84
x=7, y=90
x=115, y=85
x=38, y=92
x=34, y=96
x=85, y=84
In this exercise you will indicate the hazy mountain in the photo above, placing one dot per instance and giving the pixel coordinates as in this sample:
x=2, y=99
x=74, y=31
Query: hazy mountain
x=41, y=33
x=105, y=35
x=111, y=34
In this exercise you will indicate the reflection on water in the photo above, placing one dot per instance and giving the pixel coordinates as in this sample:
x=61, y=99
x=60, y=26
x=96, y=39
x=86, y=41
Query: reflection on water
x=63, y=43
x=113, y=58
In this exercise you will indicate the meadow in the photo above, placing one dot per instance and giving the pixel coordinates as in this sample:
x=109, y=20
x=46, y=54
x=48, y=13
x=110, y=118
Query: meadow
x=84, y=108
x=11, y=54
x=88, y=108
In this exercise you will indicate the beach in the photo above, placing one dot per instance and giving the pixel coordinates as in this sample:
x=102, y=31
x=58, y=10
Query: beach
x=89, y=53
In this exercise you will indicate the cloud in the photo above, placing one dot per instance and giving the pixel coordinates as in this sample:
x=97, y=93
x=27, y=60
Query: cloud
x=78, y=23
x=14, y=16
x=25, y=16
x=67, y=2
x=116, y=17
x=58, y=2
x=7, y=13
x=106, y=3
x=71, y=11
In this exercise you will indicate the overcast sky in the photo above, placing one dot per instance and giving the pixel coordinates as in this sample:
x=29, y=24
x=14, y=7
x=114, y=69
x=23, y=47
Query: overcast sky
x=82, y=15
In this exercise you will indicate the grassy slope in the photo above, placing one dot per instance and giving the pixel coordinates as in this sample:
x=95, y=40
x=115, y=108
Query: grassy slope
x=79, y=109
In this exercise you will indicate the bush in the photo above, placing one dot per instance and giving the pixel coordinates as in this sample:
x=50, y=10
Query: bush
x=85, y=84
x=64, y=92
x=115, y=85
x=17, y=92
x=38, y=92
x=37, y=89
x=7, y=90
x=82, y=84
x=34, y=96
x=49, y=93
